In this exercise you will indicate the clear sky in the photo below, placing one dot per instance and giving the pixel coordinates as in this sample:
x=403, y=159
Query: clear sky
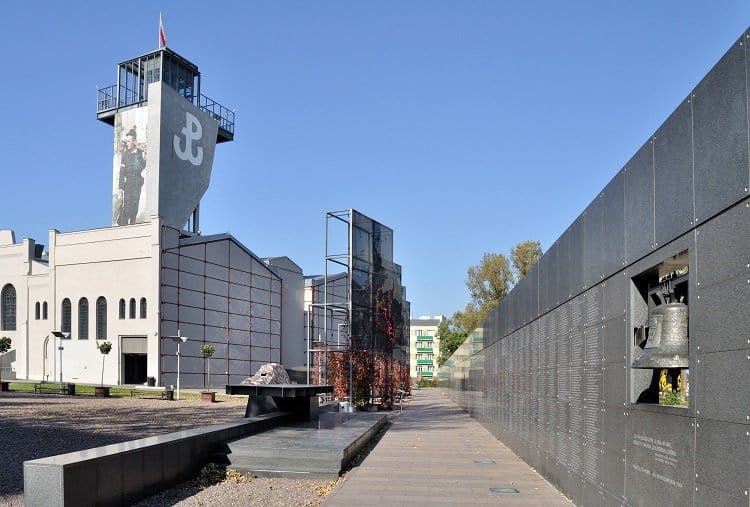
x=467, y=127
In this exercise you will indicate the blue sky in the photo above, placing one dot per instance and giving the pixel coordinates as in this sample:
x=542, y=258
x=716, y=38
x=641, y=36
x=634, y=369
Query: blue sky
x=467, y=127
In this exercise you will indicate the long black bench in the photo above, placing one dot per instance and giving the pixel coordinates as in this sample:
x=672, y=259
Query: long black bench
x=55, y=388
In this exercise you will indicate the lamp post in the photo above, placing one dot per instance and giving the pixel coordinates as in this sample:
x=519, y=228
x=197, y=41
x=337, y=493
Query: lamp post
x=178, y=340
x=62, y=336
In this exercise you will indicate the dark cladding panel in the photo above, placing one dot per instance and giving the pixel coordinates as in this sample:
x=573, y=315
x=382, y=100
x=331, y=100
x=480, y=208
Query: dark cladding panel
x=720, y=317
x=639, y=203
x=613, y=385
x=722, y=457
x=615, y=339
x=563, y=268
x=720, y=133
x=593, y=306
x=613, y=225
x=552, y=275
x=612, y=473
x=543, y=268
x=660, y=452
x=723, y=380
x=723, y=246
x=592, y=243
x=615, y=293
x=575, y=252
x=673, y=172
x=614, y=429
x=706, y=495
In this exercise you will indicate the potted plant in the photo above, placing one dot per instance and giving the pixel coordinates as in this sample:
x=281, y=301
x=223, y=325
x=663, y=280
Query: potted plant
x=102, y=391
x=207, y=351
x=4, y=347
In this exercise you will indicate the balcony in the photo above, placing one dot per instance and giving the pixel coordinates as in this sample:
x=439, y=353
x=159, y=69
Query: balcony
x=424, y=338
x=424, y=350
x=425, y=361
x=108, y=101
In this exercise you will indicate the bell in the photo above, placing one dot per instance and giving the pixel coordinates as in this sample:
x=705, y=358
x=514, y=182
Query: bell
x=667, y=345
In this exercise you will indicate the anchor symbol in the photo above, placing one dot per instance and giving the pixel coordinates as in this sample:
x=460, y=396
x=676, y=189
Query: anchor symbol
x=192, y=131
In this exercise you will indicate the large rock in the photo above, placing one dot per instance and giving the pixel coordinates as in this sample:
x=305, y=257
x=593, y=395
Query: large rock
x=269, y=373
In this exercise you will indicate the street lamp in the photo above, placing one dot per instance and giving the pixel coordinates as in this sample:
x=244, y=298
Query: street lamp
x=178, y=340
x=62, y=336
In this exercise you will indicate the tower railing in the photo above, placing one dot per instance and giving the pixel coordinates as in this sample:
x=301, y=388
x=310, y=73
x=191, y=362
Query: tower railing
x=108, y=99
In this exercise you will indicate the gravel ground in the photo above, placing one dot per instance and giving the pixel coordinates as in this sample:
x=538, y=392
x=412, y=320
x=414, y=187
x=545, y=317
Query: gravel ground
x=35, y=426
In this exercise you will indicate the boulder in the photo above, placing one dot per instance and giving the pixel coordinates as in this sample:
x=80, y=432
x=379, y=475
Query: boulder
x=269, y=373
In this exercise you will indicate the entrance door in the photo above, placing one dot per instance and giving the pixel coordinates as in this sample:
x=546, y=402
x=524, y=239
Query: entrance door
x=134, y=368
x=134, y=359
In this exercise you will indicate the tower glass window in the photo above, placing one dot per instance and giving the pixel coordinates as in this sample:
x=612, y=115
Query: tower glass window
x=37, y=310
x=101, y=317
x=44, y=310
x=122, y=309
x=66, y=317
x=83, y=319
x=132, y=308
x=8, y=308
x=143, y=308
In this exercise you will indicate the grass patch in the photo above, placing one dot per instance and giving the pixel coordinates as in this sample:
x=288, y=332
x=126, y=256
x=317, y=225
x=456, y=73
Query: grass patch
x=123, y=392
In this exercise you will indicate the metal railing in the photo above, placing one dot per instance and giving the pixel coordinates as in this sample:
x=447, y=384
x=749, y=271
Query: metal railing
x=108, y=99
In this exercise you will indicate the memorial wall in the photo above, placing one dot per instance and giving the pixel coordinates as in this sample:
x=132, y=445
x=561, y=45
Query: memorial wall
x=619, y=367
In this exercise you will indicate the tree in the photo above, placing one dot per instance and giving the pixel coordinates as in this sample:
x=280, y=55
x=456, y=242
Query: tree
x=207, y=351
x=451, y=337
x=524, y=256
x=104, y=348
x=490, y=280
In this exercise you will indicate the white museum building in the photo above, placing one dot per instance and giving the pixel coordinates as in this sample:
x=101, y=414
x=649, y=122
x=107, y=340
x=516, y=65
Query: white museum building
x=150, y=276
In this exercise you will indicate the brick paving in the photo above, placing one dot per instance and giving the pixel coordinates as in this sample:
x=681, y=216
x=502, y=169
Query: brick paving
x=430, y=456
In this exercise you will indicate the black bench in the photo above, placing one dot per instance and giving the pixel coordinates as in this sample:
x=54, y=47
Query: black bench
x=55, y=388
x=299, y=399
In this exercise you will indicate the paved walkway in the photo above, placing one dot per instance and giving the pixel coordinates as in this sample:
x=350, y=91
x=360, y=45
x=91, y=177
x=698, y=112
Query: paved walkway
x=435, y=454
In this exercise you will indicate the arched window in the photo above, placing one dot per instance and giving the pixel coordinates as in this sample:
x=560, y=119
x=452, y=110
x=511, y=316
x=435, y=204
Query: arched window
x=101, y=318
x=8, y=308
x=122, y=308
x=37, y=310
x=143, y=308
x=66, y=316
x=83, y=319
x=132, y=308
x=44, y=310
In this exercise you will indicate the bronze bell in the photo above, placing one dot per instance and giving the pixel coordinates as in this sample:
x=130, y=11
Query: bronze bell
x=667, y=345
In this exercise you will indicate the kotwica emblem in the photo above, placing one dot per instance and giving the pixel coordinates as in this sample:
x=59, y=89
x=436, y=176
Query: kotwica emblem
x=192, y=131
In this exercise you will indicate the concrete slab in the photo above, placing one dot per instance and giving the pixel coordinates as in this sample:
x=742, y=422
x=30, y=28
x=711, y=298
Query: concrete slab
x=311, y=450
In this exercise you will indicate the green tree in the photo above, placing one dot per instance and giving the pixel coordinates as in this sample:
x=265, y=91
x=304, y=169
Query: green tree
x=524, y=256
x=207, y=351
x=451, y=337
x=490, y=280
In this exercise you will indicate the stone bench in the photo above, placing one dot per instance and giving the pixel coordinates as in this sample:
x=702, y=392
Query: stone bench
x=121, y=474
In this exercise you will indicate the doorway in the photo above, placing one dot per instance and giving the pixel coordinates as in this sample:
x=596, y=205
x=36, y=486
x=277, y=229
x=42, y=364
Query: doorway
x=134, y=359
x=134, y=368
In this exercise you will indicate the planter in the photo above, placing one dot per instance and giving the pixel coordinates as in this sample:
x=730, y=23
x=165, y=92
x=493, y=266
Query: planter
x=208, y=396
x=101, y=391
x=4, y=386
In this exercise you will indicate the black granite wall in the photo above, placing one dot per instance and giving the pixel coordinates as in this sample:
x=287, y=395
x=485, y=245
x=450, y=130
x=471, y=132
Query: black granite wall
x=554, y=379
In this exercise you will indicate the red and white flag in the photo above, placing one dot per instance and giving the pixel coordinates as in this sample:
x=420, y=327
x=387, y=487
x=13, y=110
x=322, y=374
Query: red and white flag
x=162, y=35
